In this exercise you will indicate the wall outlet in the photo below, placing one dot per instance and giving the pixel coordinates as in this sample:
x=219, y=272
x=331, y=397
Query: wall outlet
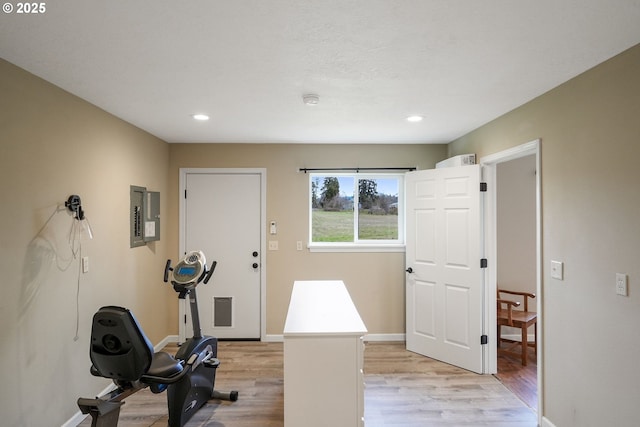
x=621, y=284
x=299, y=245
x=557, y=270
x=85, y=264
x=273, y=245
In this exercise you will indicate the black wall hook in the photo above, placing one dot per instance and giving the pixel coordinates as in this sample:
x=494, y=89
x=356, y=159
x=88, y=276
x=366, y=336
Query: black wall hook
x=74, y=204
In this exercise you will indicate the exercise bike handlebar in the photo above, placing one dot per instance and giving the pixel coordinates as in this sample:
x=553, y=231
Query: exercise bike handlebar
x=167, y=269
x=210, y=272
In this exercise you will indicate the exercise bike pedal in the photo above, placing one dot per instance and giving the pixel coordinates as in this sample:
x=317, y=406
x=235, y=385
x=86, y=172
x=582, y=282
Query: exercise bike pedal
x=225, y=395
x=211, y=363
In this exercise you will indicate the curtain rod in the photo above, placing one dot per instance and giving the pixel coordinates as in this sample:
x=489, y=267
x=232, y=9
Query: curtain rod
x=305, y=170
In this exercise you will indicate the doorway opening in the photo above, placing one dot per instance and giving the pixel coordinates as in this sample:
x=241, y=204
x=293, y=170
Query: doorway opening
x=513, y=247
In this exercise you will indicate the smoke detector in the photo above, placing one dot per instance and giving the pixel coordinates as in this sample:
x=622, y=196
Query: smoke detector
x=310, y=99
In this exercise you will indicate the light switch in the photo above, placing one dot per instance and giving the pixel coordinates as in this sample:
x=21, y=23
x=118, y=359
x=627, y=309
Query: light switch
x=557, y=268
x=273, y=245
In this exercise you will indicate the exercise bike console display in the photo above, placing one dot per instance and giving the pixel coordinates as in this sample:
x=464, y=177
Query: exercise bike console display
x=190, y=268
x=189, y=272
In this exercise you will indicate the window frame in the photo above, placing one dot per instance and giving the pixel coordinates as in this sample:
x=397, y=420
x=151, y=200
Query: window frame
x=357, y=245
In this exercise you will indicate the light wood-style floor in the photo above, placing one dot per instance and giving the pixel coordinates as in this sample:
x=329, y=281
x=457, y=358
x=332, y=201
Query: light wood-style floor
x=402, y=389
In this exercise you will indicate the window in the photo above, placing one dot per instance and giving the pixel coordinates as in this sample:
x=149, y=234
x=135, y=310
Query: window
x=356, y=211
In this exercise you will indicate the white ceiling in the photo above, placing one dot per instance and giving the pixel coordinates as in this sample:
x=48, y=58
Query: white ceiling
x=247, y=63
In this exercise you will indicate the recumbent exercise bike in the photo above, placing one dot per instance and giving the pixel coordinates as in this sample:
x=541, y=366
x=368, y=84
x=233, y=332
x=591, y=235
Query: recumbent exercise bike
x=121, y=351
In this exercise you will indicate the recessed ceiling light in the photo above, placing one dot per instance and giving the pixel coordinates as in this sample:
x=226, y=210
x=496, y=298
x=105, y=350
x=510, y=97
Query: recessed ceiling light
x=310, y=99
x=414, y=119
x=200, y=117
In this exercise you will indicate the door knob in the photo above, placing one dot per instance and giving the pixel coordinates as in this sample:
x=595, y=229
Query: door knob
x=409, y=270
x=255, y=254
x=255, y=265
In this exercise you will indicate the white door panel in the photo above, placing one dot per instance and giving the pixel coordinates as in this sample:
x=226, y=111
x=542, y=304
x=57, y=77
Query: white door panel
x=425, y=315
x=457, y=320
x=445, y=286
x=425, y=224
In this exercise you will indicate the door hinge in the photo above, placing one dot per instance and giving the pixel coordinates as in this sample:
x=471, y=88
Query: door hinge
x=483, y=263
x=185, y=318
x=185, y=193
x=484, y=339
x=483, y=186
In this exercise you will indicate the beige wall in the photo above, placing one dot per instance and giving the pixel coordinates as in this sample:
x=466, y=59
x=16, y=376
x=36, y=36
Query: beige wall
x=375, y=280
x=516, y=232
x=590, y=134
x=52, y=145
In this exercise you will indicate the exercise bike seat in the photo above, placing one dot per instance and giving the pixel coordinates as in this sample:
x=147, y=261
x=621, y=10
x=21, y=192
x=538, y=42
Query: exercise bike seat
x=163, y=365
x=121, y=351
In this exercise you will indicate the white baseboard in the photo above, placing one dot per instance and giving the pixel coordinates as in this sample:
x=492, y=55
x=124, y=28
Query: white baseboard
x=384, y=337
x=77, y=418
x=273, y=338
x=518, y=337
x=169, y=339
x=546, y=423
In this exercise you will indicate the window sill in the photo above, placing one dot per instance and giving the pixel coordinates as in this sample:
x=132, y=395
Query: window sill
x=351, y=247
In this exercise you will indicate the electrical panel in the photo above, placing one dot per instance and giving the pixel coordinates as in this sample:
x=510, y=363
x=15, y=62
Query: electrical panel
x=144, y=216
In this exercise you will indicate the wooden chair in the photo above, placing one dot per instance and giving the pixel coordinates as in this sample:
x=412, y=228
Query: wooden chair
x=516, y=318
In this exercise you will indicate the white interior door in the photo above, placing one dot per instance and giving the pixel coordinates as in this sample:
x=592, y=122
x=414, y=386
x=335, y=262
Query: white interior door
x=444, y=284
x=222, y=218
